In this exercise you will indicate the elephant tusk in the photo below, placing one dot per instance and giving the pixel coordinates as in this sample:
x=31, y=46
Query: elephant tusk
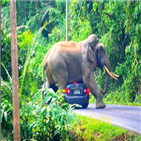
x=114, y=74
x=110, y=73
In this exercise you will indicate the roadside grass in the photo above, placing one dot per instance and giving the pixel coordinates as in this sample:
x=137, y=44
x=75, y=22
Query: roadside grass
x=91, y=129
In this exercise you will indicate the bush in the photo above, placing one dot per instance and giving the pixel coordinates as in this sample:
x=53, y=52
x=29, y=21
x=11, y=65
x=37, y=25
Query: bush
x=40, y=121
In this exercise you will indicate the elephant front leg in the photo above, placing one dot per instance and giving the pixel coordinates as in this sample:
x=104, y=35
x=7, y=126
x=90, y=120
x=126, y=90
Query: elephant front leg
x=89, y=82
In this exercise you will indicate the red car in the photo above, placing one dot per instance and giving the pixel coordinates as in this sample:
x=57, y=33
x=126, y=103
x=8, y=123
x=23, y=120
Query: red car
x=77, y=93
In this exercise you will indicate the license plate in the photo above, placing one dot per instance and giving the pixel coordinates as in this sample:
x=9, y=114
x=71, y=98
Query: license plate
x=76, y=91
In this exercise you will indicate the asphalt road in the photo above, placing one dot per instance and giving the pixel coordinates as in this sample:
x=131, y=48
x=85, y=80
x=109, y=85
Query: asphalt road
x=127, y=117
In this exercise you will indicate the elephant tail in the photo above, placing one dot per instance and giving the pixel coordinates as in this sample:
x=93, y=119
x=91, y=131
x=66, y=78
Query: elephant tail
x=44, y=73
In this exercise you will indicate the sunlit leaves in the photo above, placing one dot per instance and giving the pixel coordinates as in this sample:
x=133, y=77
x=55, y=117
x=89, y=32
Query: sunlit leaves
x=3, y=2
x=25, y=40
x=95, y=5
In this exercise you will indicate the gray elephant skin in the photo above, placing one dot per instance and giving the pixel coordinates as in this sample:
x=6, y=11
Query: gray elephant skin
x=70, y=61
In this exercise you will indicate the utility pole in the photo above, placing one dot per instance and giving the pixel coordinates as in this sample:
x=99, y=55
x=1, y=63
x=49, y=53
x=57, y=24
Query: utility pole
x=67, y=37
x=15, y=84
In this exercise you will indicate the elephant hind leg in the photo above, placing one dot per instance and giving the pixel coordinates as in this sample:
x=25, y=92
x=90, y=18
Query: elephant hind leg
x=60, y=75
x=62, y=83
x=61, y=80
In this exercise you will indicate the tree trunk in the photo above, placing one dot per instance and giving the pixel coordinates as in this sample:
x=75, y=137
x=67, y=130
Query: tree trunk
x=15, y=85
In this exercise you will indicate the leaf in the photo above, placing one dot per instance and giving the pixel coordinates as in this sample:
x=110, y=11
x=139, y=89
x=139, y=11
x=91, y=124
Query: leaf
x=47, y=99
x=68, y=118
x=128, y=49
x=3, y=105
x=36, y=95
x=5, y=116
x=2, y=113
x=3, y=2
x=62, y=120
x=43, y=109
x=48, y=111
x=47, y=126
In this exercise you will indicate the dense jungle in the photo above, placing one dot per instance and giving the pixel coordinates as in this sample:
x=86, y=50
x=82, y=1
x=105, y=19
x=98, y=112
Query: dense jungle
x=40, y=24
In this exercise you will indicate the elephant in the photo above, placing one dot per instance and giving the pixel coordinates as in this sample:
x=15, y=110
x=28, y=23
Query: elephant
x=69, y=61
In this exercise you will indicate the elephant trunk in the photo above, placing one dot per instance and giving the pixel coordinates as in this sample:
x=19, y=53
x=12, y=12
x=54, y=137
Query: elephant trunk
x=106, y=84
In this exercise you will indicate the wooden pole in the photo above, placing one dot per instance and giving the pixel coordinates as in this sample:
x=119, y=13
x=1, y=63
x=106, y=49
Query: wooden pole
x=15, y=84
x=67, y=37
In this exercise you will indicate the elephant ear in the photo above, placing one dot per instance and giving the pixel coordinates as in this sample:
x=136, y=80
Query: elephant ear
x=90, y=55
x=100, y=52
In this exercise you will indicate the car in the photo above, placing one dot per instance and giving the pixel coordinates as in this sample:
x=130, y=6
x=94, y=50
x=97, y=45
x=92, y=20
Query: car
x=77, y=93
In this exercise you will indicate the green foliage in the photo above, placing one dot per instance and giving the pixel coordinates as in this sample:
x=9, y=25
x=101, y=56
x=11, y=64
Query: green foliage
x=46, y=122
x=118, y=26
